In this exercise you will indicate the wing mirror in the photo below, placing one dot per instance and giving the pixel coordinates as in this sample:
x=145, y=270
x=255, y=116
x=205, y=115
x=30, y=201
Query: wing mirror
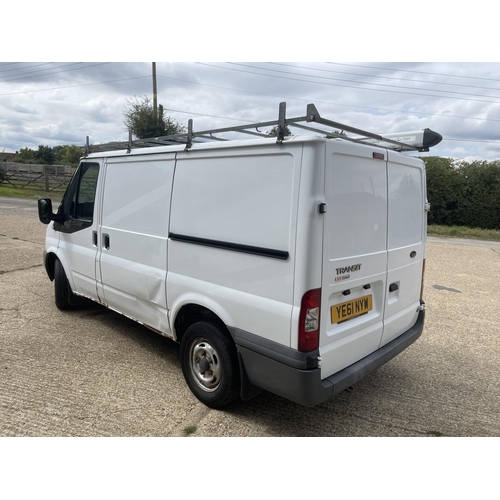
x=45, y=213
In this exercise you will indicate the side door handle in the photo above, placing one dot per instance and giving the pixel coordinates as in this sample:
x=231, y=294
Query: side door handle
x=94, y=238
x=105, y=241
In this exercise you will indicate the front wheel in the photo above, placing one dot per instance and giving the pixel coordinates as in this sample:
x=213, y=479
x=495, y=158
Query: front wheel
x=210, y=365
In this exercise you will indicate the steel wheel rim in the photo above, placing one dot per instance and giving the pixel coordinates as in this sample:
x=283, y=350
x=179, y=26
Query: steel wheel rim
x=205, y=365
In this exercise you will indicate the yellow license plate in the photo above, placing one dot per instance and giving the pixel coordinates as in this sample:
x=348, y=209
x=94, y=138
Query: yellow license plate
x=351, y=309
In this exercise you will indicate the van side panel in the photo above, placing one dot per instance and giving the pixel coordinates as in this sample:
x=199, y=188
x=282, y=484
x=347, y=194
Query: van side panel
x=309, y=240
x=135, y=216
x=232, y=230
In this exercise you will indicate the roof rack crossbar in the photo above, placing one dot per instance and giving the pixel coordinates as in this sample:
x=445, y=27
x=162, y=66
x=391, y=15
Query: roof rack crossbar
x=312, y=116
x=339, y=135
x=251, y=132
x=210, y=137
x=314, y=129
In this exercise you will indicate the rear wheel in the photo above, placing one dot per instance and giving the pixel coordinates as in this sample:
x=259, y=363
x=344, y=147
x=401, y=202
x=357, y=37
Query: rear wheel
x=62, y=289
x=210, y=365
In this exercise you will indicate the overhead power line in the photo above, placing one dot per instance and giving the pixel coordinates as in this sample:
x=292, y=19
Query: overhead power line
x=368, y=83
x=53, y=72
x=384, y=77
x=209, y=116
x=469, y=140
x=73, y=86
x=414, y=71
x=348, y=86
x=281, y=96
x=26, y=67
x=8, y=64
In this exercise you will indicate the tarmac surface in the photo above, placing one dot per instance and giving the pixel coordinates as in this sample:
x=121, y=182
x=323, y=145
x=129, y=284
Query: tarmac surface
x=93, y=372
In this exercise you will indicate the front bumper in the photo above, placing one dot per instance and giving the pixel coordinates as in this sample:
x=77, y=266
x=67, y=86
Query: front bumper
x=265, y=370
x=47, y=265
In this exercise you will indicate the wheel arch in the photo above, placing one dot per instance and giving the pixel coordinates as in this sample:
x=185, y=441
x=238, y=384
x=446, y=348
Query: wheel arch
x=191, y=313
x=50, y=261
x=67, y=270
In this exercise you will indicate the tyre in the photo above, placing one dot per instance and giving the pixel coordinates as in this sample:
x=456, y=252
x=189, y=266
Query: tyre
x=210, y=365
x=62, y=289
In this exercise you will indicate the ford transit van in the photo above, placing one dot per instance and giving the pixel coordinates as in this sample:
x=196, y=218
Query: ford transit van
x=293, y=265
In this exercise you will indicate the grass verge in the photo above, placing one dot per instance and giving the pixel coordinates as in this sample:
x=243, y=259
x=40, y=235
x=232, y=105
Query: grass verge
x=33, y=194
x=464, y=232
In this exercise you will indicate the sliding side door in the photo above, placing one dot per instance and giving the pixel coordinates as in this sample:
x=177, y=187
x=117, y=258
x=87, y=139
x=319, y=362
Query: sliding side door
x=133, y=237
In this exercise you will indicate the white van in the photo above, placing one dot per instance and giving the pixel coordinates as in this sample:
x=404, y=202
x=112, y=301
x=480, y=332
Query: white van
x=292, y=265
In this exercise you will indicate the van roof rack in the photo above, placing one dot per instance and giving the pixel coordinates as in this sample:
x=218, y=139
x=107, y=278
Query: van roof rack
x=405, y=141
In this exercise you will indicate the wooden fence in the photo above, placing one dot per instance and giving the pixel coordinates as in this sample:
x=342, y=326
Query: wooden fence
x=33, y=176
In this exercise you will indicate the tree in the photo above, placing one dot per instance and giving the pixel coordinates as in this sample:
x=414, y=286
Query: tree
x=462, y=193
x=274, y=131
x=444, y=190
x=141, y=120
x=25, y=155
x=69, y=155
x=335, y=134
x=45, y=155
x=58, y=152
x=481, y=194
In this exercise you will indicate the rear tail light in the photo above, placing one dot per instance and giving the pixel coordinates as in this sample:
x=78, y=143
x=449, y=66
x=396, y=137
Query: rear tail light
x=422, y=286
x=309, y=321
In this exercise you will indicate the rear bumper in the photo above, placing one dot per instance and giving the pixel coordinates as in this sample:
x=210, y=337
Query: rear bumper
x=266, y=370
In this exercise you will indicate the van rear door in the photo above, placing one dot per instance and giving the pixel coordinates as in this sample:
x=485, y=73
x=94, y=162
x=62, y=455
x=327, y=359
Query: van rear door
x=405, y=241
x=354, y=280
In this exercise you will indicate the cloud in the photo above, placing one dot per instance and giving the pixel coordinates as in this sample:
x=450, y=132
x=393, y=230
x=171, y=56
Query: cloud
x=59, y=103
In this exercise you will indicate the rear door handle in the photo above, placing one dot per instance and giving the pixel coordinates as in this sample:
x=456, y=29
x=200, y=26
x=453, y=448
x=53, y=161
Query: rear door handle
x=393, y=287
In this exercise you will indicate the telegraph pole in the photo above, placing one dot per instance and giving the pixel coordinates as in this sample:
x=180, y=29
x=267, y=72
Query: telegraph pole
x=155, y=97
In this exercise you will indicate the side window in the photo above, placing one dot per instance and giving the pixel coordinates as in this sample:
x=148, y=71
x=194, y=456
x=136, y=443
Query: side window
x=81, y=194
x=85, y=195
x=78, y=202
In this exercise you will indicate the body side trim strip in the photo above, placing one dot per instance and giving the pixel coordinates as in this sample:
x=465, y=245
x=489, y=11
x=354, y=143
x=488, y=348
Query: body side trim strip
x=236, y=247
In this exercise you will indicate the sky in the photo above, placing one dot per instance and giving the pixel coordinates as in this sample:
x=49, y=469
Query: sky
x=54, y=103
x=384, y=66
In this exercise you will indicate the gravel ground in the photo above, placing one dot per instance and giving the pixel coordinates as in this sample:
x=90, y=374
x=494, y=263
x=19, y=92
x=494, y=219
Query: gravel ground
x=92, y=372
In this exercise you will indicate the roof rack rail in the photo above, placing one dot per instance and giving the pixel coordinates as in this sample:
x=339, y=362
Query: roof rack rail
x=405, y=141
